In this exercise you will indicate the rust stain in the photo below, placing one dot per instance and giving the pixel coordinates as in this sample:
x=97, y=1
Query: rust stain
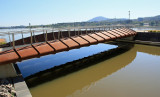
x=90, y=39
x=62, y=45
x=81, y=41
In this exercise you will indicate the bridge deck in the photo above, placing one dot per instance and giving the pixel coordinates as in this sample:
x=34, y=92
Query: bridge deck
x=64, y=44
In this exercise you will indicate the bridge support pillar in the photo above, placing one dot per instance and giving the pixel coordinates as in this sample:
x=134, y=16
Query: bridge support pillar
x=7, y=70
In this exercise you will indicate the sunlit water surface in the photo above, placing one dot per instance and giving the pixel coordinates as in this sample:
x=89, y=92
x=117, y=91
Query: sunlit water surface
x=134, y=73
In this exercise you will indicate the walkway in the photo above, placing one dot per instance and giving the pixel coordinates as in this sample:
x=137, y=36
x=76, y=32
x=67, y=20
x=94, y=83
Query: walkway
x=64, y=44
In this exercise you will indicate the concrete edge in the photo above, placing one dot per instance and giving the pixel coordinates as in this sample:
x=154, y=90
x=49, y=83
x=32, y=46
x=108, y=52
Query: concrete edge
x=21, y=87
x=151, y=43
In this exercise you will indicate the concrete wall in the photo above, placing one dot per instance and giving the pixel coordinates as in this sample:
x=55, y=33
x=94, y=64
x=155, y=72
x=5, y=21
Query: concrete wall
x=7, y=70
x=148, y=36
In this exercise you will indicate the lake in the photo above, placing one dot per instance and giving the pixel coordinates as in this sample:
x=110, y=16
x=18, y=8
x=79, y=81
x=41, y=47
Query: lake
x=134, y=73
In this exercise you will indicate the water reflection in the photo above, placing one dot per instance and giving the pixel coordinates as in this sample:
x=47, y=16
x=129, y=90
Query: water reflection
x=95, y=81
x=84, y=78
x=153, y=50
x=35, y=65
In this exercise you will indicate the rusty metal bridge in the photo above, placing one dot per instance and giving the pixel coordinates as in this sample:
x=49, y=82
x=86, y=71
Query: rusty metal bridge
x=51, y=42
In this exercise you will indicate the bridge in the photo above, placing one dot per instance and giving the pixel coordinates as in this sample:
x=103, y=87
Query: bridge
x=58, y=42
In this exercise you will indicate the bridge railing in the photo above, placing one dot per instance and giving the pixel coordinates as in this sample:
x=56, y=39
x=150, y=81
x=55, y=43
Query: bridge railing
x=14, y=38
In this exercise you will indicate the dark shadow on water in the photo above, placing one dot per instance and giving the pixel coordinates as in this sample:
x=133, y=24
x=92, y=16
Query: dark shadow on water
x=65, y=69
x=32, y=66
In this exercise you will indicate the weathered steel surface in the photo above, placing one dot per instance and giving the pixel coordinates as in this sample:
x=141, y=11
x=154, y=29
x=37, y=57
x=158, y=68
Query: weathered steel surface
x=115, y=34
x=70, y=43
x=63, y=44
x=44, y=48
x=58, y=45
x=27, y=52
x=8, y=56
x=89, y=39
x=109, y=35
x=81, y=41
x=98, y=38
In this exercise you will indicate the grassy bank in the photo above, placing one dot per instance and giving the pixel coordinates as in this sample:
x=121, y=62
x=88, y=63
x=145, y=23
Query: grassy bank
x=157, y=31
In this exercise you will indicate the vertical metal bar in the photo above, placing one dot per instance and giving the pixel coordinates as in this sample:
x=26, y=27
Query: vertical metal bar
x=13, y=41
x=69, y=34
x=46, y=36
x=53, y=36
x=86, y=31
x=93, y=30
x=59, y=35
x=22, y=37
x=75, y=32
x=78, y=32
x=31, y=38
x=30, y=32
x=81, y=31
x=9, y=38
x=34, y=36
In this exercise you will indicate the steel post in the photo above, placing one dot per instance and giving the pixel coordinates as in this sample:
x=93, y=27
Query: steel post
x=13, y=41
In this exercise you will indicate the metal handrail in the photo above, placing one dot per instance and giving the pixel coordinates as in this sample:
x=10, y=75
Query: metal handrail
x=45, y=31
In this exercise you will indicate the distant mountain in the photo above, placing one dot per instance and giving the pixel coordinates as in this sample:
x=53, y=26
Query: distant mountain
x=101, y=18
x=97, y=19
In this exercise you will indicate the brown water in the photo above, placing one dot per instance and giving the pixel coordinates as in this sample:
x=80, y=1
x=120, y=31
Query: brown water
x=134, y=73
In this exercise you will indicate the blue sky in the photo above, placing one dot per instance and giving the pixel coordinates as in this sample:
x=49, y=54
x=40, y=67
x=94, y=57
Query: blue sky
x=23, y=12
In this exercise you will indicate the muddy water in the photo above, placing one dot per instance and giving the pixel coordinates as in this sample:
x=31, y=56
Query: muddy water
x=134, y=73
